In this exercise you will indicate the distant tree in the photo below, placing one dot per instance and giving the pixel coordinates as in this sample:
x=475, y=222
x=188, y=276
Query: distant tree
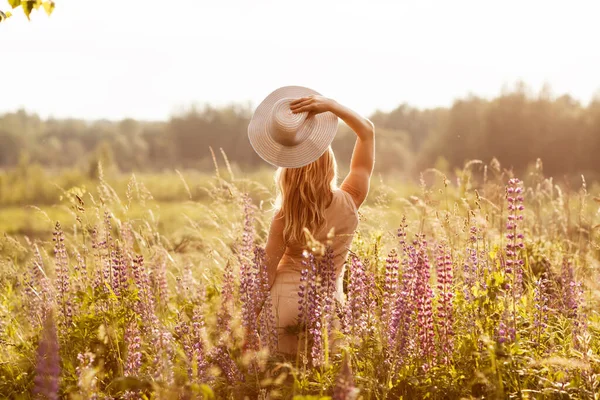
x=28, y=6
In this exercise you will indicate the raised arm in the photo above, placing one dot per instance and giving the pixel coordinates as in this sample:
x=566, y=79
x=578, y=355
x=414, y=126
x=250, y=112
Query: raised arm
x=363, y=157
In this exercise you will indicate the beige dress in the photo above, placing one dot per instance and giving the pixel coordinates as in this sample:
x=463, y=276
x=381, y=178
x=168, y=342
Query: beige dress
x=342, y=215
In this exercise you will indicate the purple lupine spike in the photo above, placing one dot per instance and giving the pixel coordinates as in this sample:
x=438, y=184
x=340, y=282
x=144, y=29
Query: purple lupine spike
x=120, y=271
x=514, y=262
x=316, y=301
x=227, y=300
x=399, y=341
x=145, y=305
x=390, y=286
x=355, y=323
x=159, y=279
x=227, y=365
x=344, y=387
x=249, y=288
x=505, y=332
x=302, y=296
x=314, y=311
x=423, y=296
x=107, y=240
x=572, y=296
x=445, y=311
x=62, y=277
x=47, y=370
x=267, y=324
x=115, y=271
x=132, y=341
x=198, y=344
x=162, y=365
x=326, y=269
x=183, y=335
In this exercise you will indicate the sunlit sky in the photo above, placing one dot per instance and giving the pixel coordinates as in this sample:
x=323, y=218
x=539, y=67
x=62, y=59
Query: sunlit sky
x=149, y=59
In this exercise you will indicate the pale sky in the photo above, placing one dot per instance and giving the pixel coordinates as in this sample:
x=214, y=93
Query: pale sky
x=149, y=59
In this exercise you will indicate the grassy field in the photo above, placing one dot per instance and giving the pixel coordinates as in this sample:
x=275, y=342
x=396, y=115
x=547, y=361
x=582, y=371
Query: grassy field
x=149, y=286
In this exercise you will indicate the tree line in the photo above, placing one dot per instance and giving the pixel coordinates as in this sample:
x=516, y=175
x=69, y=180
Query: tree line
x=517, y=127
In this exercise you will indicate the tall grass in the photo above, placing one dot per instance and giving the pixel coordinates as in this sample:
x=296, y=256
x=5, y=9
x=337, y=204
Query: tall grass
x=465, y=289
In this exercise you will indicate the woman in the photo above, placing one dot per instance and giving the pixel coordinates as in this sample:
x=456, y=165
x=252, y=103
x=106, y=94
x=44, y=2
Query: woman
x=293, y=129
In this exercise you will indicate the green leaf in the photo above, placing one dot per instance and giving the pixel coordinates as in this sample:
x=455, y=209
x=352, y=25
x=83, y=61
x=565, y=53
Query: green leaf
x=49, y=7
x=14, y=3
x=27, y=7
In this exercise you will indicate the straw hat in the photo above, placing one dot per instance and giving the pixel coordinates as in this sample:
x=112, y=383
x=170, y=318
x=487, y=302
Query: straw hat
x=289, y=140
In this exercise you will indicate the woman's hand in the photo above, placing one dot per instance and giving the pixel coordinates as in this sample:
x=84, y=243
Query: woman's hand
x=313, y=104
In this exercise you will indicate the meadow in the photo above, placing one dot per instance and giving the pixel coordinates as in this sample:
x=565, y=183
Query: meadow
x=471, y=284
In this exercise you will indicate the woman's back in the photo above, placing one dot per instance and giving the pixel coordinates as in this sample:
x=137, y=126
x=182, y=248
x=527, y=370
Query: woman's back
x=342, y=216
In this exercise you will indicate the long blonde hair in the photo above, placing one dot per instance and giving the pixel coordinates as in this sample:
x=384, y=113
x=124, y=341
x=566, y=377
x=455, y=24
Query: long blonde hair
x=303, y=194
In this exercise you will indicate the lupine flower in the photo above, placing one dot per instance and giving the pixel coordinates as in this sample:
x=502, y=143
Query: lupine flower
x=401, y=321
x=316, y=301
x=355, y=318
x=198, y=344
x=505, y=332
x=344, y=386
x=62, y=276
x=119, y=272
x=227, y=365
x=572, y=295
x=227, y=300
x=313, y=317
x=514, y=262
x=133, y=344
x=183, y=334
x=303, y=299
x=390, y=286
x=423, y=297
x=327, y=271
x=445, y=309
x=47, y=370
x=145, y=305
x=161, y=343
x=267, y=325
x=249, y=289
x=159, y=279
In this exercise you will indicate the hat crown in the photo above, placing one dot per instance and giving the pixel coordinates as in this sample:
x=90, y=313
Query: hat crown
x=285, y=125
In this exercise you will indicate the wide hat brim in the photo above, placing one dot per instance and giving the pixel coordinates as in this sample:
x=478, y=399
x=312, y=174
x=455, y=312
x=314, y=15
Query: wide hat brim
x=323, y=130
